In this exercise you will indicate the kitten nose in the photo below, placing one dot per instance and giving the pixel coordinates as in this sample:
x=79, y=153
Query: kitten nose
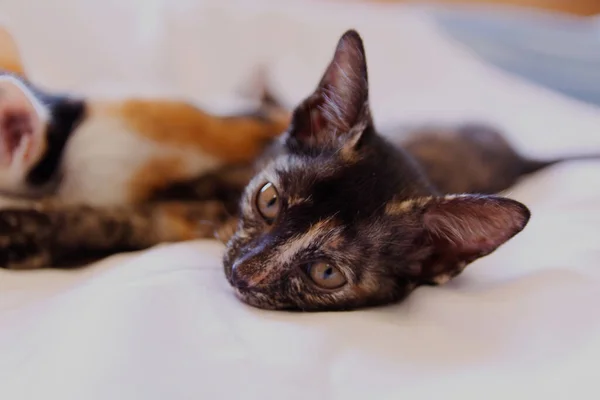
x=250, y=272
x=251, y=269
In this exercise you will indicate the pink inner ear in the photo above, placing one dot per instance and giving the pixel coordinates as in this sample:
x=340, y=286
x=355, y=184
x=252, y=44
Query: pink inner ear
x=475, y=225
x=344, y=87
x=339, y=102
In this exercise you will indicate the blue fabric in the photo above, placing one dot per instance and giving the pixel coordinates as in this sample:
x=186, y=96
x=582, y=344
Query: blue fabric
x=554, y=50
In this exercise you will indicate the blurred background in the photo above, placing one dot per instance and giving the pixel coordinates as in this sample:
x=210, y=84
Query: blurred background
x=577, y=7
x=553, y=43
x=504, y=61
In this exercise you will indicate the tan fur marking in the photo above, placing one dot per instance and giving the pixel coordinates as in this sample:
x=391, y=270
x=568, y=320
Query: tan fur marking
x=348, y=151
x=335, y=241
x=10, y=58
x=321, y=229
x=294, y=201
x=349, y=155
x=442, y=279
x=156, y=174
x=178, y=123
x=401, y=207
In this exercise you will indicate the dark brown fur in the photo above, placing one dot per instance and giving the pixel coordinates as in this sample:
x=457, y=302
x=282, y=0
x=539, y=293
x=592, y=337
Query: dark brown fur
x=479, y=157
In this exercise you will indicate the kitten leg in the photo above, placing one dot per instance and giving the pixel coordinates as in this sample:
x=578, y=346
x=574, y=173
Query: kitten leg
x=47, y=234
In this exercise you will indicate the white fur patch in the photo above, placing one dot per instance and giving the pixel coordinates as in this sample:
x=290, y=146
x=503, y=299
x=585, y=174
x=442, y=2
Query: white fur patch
x=103, y=156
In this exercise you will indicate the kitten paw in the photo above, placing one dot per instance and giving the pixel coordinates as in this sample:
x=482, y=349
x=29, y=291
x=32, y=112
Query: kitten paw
x=25, y=239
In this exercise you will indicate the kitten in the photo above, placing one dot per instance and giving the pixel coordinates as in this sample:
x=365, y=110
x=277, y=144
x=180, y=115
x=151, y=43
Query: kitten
x=85, y=175
x=338, y=217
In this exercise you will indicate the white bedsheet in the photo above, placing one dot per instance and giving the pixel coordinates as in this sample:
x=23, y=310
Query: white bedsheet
x=163, y=324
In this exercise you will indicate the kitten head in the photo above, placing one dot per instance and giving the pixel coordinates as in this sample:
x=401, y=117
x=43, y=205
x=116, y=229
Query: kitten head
x=337, y=218
x=34, y=126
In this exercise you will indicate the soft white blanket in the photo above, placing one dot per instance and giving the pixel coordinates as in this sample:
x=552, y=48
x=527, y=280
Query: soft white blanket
x=163, y=324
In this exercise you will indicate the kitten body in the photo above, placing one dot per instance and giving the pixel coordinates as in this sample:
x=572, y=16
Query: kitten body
x=339, y=217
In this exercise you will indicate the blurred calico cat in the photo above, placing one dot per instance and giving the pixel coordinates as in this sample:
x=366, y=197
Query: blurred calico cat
x=83, y=176
x=317, y=210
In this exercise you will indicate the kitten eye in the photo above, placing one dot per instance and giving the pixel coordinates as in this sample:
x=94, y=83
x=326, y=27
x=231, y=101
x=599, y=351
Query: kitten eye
x=326, y=275
x=267, y=202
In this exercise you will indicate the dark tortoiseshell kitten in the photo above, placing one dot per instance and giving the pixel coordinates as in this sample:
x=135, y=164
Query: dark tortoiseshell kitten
x=339, y=218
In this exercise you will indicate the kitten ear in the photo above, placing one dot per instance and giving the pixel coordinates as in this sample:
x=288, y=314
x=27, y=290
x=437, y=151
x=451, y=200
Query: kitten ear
x=10, y=58
x=337, y=113
x=461, y=229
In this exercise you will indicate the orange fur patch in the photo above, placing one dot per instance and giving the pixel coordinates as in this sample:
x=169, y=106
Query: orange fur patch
x=10, y=58
x=231, y=139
